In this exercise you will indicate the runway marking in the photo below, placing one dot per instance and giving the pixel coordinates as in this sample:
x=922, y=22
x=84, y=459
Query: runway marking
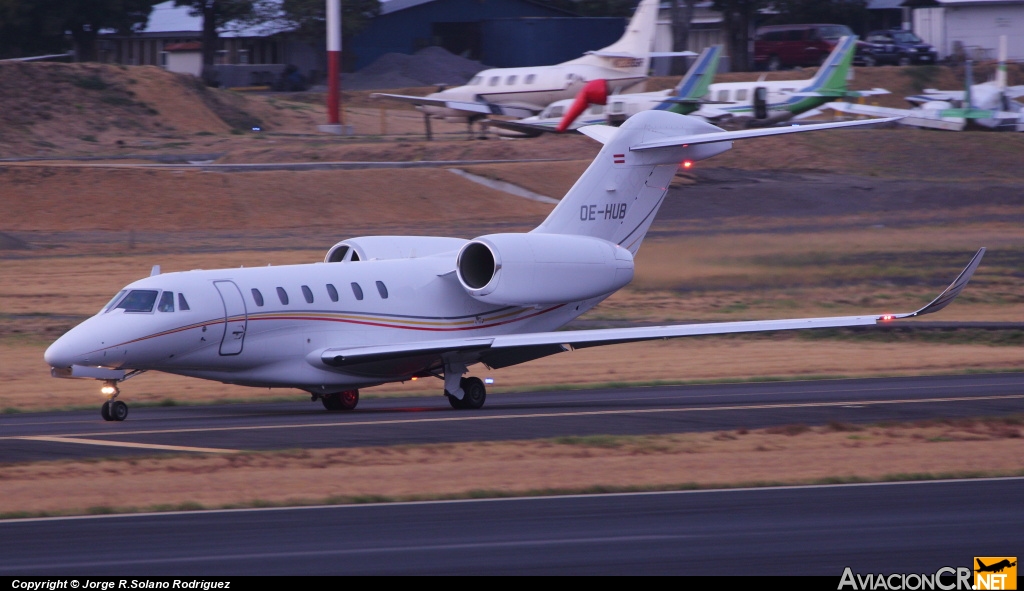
x=461, y=417
x=208, y=450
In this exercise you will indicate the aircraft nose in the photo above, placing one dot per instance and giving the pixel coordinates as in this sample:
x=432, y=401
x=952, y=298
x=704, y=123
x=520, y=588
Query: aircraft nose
x=60, y=353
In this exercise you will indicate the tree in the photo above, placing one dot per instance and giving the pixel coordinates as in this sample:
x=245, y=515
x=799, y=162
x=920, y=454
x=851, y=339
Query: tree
x=216, y=14
x=308, y=18
x=737, y=20
x=681, y=17
x=85, y=19
x=853, y=13
x=28, y=27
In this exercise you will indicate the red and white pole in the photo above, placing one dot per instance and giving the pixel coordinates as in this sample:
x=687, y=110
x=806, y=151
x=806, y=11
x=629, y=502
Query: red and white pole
x=333, y=61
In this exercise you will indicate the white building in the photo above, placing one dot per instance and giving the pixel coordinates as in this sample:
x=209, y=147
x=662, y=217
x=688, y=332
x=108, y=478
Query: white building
x=970, y=28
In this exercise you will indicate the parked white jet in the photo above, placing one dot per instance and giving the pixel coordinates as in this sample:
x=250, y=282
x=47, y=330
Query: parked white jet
x=389, y=308
x=521, y=92
x=988, y=104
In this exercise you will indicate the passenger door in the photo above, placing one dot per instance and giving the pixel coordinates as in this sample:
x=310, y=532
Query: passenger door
x=235, y=317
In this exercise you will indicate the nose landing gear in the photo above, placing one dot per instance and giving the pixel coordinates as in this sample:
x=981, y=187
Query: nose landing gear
x=112, y=410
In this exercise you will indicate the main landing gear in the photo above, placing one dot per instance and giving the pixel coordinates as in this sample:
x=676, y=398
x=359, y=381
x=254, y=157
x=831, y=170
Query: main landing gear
x=346, y=400
x=113, y=410
x=473, y=397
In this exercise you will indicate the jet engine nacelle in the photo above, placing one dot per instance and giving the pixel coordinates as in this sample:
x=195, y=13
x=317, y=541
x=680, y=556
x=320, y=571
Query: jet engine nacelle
x=540, y=269
x=369, y=248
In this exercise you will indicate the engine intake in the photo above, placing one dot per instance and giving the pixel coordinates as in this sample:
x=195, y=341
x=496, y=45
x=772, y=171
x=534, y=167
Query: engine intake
x=540, y=269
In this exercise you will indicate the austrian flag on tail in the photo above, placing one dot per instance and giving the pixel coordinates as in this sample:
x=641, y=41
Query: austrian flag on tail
x=619, y=158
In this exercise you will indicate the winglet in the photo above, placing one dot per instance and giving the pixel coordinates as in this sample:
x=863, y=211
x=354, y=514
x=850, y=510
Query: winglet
x=950, y=293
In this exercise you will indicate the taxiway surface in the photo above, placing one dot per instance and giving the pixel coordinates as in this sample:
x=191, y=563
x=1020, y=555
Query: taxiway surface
x=533, y=415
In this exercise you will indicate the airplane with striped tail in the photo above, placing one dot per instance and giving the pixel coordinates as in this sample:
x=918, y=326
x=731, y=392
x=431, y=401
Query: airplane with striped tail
x=383, y=309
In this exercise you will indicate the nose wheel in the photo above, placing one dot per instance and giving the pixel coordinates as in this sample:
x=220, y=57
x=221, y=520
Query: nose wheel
x=113, y=410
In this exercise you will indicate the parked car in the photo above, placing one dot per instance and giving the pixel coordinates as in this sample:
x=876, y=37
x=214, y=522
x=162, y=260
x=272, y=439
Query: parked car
x=787, y=46
x=898, y=47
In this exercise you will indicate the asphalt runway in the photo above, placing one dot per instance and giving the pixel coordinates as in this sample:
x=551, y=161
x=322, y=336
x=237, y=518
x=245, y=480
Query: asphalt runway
x=514, y=416
x=910, y=528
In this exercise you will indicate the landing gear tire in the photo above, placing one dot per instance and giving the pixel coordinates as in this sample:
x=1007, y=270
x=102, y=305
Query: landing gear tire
x=346, y=400
x=474, y=394
x=114, y=410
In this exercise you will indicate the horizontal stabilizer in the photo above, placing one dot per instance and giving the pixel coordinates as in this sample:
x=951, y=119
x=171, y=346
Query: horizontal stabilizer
x=728, y=136
x=621, y=54
x=599, y=133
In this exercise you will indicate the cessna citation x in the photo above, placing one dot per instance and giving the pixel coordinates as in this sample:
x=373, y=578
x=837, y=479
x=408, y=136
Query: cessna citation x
x=390, y=308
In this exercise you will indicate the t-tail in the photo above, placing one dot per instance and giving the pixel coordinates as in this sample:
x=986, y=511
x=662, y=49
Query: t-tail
x=618, y=196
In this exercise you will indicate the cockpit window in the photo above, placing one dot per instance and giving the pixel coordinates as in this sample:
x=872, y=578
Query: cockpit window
x=166, y=302
x=139, y=300
x=114, y=300
x=182, y=304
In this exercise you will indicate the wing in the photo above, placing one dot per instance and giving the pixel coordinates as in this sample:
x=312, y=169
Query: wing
x=505, y=350
x=481, y=107
x=933, y=119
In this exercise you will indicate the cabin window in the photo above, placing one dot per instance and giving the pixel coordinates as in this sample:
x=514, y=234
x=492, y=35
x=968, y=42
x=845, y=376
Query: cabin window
x=357, y=291
x=182, y=304
x=556, y=112
x=332, y=292
x=307, y=293
x=723, y=95
x=139, y=300
x=494, y=80
x=166, y=302
x=382, y=290
x=257, y=297
x=114, y=300
x=741, y=94
x=282, y=295
x=530, y=78
x=597, y=109
x=510, y=80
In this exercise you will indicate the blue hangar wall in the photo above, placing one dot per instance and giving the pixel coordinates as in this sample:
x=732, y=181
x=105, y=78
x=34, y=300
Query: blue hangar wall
x=498, y=33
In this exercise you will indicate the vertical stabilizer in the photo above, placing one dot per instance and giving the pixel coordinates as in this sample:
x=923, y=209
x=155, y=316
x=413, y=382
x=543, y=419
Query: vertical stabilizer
x=632, y=52
x=834, y=72
x=695, y=83
x=618, y=196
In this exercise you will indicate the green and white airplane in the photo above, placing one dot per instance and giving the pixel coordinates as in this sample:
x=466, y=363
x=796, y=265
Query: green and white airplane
x=767, y=103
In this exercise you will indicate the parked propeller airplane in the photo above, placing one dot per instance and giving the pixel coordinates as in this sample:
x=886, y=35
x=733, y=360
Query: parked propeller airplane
x=566, y=114
x=389, y=308
x=522, y=92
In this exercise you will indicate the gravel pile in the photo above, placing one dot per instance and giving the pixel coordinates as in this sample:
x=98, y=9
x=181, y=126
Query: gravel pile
x=426, y=67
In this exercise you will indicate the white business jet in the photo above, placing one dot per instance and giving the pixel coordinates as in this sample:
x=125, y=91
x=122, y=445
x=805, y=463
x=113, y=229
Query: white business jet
x=390, y=308
x=522, y=92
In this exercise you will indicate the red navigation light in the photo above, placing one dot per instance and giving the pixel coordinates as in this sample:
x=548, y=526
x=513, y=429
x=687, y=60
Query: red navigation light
x=687, y=164
x=886, y=317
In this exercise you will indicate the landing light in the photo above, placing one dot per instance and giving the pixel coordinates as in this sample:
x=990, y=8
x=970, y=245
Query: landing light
x=887, y=317
x=488, y=381
x=108, y=390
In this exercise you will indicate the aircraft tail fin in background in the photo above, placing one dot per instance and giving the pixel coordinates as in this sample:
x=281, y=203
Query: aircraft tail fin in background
x=618, y=196
x=632, y=52
x=833, y=74
x=695, y=83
